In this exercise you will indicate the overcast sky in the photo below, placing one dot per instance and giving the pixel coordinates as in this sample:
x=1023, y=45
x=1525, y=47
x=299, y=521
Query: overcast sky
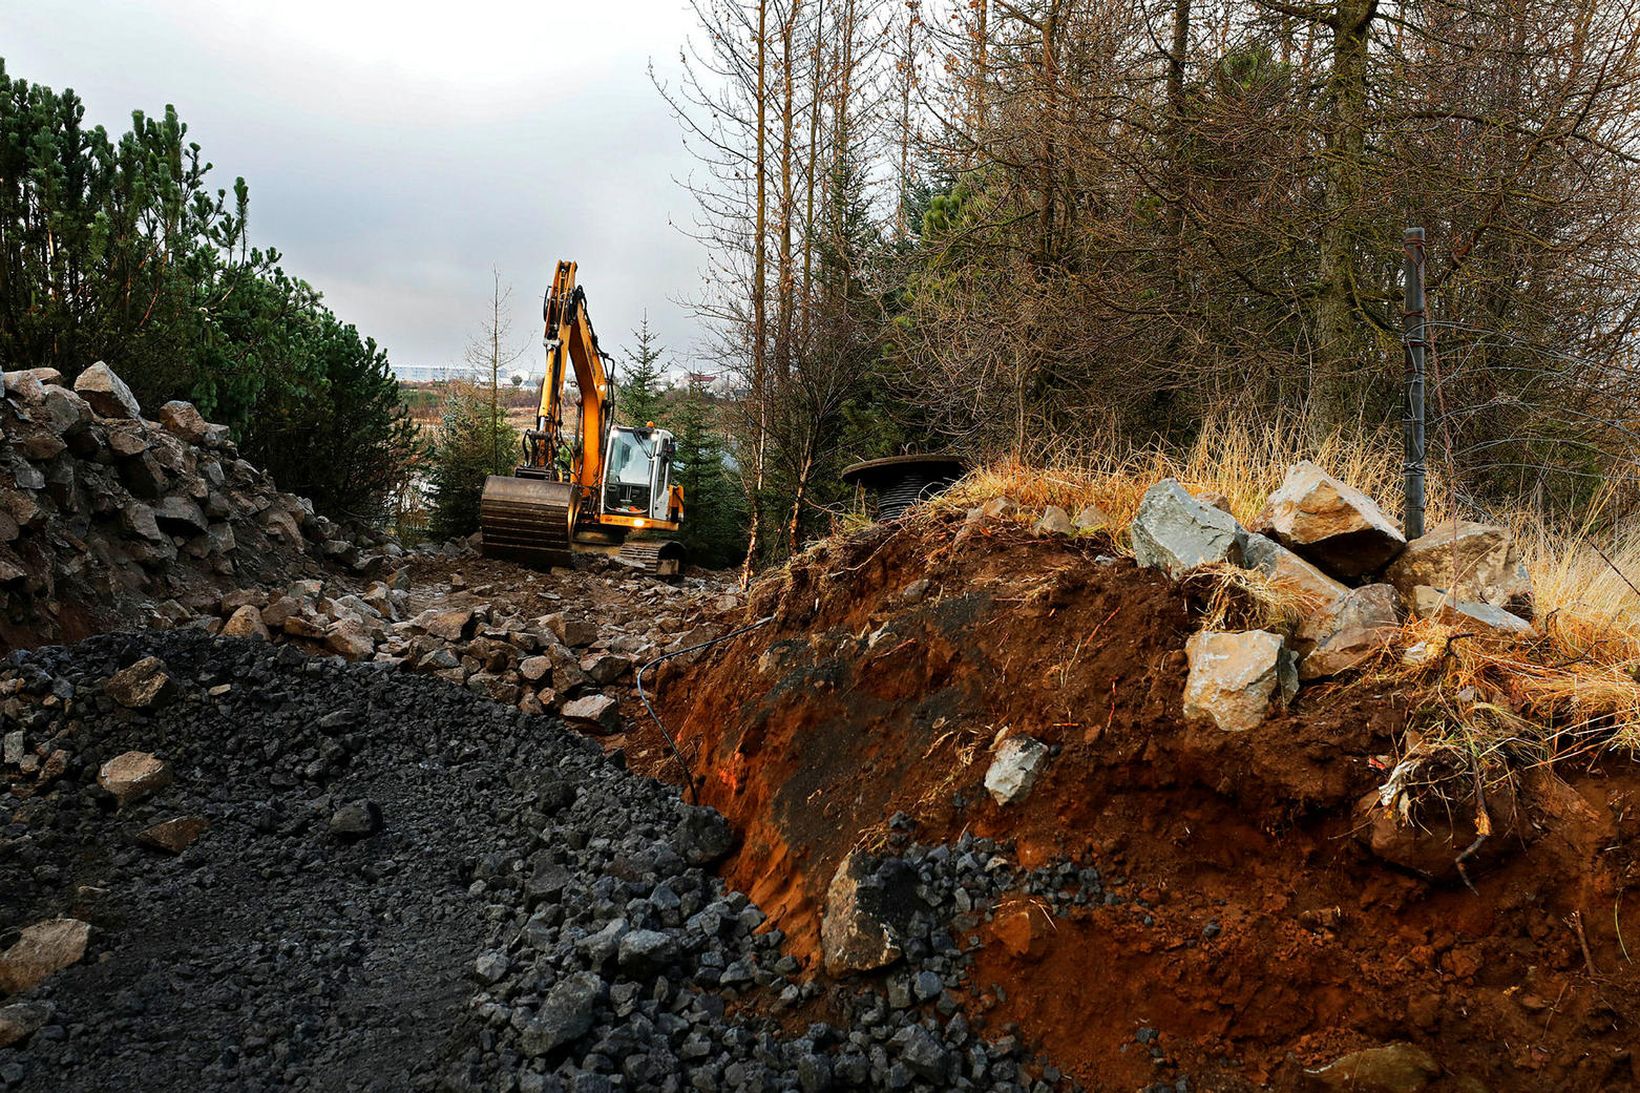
x=396, y=152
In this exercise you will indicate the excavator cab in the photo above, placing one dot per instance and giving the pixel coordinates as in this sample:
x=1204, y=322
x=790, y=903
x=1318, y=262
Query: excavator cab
x=638, y=474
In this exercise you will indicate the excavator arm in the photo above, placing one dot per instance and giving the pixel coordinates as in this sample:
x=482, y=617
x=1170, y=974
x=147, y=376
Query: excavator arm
x=571, y=343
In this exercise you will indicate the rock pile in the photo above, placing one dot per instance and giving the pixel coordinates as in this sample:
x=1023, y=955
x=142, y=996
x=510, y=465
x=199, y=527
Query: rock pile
x=106, y=516
x=383, y=876
x=1347, y=567
x=606, y=621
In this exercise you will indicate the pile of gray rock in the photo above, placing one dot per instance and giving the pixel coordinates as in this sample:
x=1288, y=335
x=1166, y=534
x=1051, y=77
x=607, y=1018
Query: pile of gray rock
x=575, y=661
x=1351, y=575
x=105, y=513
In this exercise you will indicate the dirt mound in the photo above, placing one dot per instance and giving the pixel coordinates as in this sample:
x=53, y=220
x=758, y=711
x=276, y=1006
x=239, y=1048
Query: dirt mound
x=1254, y=920
x=109, y=518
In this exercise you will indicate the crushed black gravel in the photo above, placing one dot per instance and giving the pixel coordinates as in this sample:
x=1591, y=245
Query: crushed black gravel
x=403, y=885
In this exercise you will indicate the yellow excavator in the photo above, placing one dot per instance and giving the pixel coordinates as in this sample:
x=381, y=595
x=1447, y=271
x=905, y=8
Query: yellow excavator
x=590, y=484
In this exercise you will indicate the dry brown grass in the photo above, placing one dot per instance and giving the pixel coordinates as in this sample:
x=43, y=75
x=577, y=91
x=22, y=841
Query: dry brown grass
x=1245, y=464
x=1572, y=689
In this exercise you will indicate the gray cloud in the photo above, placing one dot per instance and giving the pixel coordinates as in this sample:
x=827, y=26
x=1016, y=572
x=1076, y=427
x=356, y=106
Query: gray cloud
x=397, y=152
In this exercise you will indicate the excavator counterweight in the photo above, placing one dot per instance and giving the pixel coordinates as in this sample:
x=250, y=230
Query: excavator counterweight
x=590, y=485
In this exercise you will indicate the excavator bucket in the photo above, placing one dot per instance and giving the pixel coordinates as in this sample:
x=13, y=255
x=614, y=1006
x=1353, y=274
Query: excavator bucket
x=527, y=520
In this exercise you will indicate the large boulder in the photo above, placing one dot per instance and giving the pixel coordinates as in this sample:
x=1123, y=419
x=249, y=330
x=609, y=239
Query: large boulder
x=44, y=948
x=1176, y=532
x=856, y=934
x=246, y=622
x=452, y=624
x=21, y=387
x=595, y=713
x=1236, y=676
x=351, y=639
x=307, y=626
x=703, y=836
x=27, y=385
x=1054, y=521
x=183, y=421
x=107, y=393
x=1288, y=571
x=61, y=410
x=133, y=775
x=356, y=820
x=142, y=474
x=128, y=442
x=40, y=447
x=1468, y=561
x=576, y=633
x=180, y=516
x=1481, y=619
x=921, y=1052
x=173, y=836
x=20, y=1020
x=1089, y=519
x=1393, y=1068
x=1018, y=764
x=605, y=668
x=1346, y=631
x=566, y=1014
x=1329, y=522
x=645, y=953
x=140, y=686
x=138, y=519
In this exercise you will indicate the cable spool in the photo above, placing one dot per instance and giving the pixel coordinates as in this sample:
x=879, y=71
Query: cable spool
x=895, y=499
x=901, y=481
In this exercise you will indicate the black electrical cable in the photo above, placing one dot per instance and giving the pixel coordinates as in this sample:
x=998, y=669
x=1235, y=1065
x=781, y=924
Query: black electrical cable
x=671, y=744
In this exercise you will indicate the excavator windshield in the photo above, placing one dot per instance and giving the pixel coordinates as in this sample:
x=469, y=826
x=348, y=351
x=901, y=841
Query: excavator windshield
x=630, y=460
x=630, y=476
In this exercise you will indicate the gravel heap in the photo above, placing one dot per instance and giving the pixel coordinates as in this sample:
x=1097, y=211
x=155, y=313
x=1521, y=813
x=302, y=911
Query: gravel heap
x=399, y=884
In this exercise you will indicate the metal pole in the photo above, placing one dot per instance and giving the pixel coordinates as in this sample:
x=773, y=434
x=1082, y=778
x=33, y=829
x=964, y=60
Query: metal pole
x=1414, y=338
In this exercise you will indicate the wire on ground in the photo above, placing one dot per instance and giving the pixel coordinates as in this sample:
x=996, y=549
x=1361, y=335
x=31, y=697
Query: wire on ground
x=671, y=744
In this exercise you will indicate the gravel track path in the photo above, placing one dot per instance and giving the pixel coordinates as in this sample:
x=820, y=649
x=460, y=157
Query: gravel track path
x=528, y=916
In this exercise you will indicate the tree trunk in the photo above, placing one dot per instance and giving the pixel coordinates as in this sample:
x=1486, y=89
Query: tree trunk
x=815, y=99
x=1175, y=112
x=785, y=278
x=1332, y=393
x=760, y=379
x=908, y=72
x=794, y=525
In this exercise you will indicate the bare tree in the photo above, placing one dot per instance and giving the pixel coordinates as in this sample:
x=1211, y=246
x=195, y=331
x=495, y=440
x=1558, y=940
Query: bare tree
x=493, y=352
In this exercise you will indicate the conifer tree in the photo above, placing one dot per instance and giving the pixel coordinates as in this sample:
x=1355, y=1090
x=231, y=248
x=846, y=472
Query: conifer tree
x=474, y=441
x=714, y=531
x=116, y=248
x=640, y=396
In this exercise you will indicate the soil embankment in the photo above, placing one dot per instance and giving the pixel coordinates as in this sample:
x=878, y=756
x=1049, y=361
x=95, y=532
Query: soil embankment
x=1247, y=929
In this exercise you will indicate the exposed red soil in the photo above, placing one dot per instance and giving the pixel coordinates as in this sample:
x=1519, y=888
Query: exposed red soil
x=809, y=740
